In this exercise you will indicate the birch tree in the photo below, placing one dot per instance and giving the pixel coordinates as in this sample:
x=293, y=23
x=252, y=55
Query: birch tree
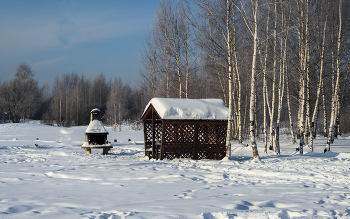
x=281, y=80
x=316, y=108
x=115, y=103
x=336, y=88
x=149, y=58
x=252, y=88
x=227, y=35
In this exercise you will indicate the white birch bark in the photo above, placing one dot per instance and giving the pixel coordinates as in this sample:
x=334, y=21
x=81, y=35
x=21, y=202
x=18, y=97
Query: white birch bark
x=265, y=84
x=307, y=66
x=272, y=113
x=238, y=84
x=252, y=89
x=336, y=89
x=229, y=56
x=167, y=73
x=316, y=108
x=281, y=84
x=324, y=113
x=302, y=80
x=290, y=115
x=337, y=121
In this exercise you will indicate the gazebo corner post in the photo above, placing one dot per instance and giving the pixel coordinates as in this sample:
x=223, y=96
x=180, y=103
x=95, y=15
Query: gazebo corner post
x=153, y=136
x=162, y=147
x=145, y=136
x=195, y=142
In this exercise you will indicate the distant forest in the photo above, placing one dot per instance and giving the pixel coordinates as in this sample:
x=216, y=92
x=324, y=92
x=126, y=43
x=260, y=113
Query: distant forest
x=69, y=100
x=275, y=63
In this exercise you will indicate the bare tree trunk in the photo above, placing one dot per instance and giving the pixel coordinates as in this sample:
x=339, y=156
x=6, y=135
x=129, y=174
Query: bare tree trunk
x=265, y=83
x=337, y=121
x=307, y=66
x=222, y=84
x=167, y=74
x=316, y=109
x=272, y=113
x=336, y=89
x=265, y=122
x=187, y=68
x=290, y=114
x=60, y=110
x=238, y=84
x=281, y=84
x=252, y=89
x=229, y=56
x=115, y=115
x=120, y=114
x=324, y=112
x=302, y=80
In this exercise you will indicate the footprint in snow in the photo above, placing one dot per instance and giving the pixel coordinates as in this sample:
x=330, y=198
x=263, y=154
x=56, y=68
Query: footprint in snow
x=241, y=207
x=268, y=204
x=18, y=209
x=186, y=194
x=226, y=176
x=213, y=215
x=111, y=214
x=283, y=215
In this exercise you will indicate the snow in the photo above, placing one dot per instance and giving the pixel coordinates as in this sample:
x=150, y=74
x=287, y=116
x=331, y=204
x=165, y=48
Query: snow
x=95, y=110
x=96, y=126
x=57, y=179
x=86, y=144
x=189, y=109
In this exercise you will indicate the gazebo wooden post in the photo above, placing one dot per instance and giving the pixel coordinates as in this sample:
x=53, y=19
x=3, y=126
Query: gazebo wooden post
x=195, y=142
x=162, y=147
x=153, y=137
x=145, y=135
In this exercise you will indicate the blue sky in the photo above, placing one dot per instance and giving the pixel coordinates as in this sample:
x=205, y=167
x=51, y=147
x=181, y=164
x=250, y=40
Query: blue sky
x=64, y=36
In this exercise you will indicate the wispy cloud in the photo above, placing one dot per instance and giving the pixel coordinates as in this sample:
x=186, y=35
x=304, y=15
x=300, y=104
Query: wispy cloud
x=47, y=64
x=64, y=31
x=93, y=28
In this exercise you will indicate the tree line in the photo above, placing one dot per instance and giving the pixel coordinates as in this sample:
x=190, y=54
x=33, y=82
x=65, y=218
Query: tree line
x=275, y=63
x=70, y=99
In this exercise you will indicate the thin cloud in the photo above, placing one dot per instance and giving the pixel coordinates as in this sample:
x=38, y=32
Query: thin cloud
x=47, y=64
x=95, y=28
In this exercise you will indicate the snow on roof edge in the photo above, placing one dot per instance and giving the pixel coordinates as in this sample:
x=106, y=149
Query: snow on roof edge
x=189, y=109
x=96, y=126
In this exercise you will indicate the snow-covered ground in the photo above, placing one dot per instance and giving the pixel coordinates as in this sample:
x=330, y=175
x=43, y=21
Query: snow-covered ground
x=56, y=179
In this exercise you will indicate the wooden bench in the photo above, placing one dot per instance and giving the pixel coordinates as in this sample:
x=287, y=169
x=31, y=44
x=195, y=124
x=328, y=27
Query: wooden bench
x=105, y=148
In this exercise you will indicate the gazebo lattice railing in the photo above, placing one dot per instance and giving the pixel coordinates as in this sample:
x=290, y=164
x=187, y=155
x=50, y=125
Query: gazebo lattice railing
x=186, y=139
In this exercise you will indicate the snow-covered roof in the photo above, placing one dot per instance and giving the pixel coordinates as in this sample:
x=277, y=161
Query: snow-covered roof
x=189, y=109
x=96, y=126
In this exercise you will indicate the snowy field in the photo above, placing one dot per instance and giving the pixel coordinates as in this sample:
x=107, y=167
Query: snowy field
x=56, y=179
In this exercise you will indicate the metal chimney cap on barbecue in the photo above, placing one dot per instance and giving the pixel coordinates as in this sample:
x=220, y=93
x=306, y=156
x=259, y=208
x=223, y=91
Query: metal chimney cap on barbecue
x=95, y=114
x=95, y=111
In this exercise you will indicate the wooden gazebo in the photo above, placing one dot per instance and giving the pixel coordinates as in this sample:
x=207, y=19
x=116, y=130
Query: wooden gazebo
x=185, y=128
